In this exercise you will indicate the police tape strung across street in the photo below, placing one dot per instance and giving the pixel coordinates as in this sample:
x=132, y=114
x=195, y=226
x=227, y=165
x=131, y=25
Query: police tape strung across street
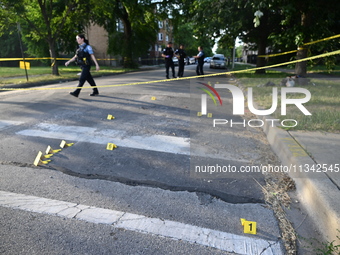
x=261, y=56
x=299, y=48
x=324, y=39
x=14, y=59
x=187, y=78
x=277, y=54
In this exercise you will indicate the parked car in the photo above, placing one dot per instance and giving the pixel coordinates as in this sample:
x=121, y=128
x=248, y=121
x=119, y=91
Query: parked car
x=218, y=61
x=192, y=60
x=207, y=59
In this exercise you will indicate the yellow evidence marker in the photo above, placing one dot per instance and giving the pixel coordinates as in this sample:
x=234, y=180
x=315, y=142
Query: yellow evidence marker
x=111, y=146
x=249, y=227
x=153, y=98
x=38, y=160
x=110, y=117
x=63, y=144
x=49, y=150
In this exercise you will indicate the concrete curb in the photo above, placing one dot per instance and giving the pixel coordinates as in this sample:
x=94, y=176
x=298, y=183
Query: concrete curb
x=317, y=192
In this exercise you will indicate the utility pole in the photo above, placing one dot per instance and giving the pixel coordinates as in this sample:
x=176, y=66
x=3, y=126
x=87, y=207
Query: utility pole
x=234, y=49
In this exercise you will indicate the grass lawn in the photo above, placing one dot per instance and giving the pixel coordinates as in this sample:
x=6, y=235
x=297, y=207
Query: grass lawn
x=15, y=75
x=324, y=104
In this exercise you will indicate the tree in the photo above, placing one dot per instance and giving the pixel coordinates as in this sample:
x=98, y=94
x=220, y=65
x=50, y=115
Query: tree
x=205, y=22
x=280, y=24
x=259, y=20
x=184, y=34
x=132, y=25
x=45, y=22
x=224, y=21
x=9, y=44
x=309, y=21
x=299, y=23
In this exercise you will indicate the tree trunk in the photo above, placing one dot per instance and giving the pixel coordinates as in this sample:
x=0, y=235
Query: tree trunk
x=127, y=51
x=260, y=62
x=53, y=55
x=262, y=43
x=301, y=67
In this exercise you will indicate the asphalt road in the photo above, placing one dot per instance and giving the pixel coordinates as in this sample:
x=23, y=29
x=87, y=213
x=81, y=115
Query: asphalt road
x=160, y=143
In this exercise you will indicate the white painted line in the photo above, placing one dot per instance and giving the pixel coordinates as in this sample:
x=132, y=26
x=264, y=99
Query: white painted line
x=6, y=123
x=162, y=143
x=175, y=230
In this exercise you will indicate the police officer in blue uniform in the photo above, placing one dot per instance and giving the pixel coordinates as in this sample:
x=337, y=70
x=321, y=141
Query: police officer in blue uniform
x=168, y=54
x=83, y=58
x=200, y=61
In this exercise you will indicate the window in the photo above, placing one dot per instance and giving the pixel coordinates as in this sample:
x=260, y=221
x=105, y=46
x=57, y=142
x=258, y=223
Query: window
x=160, y=24
x=119, y=26
x=160, y=37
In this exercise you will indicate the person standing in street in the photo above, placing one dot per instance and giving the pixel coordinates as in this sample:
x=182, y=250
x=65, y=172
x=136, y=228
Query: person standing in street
x=181, y=55
x=200, y=61
x=168, y=54
x=84, y=56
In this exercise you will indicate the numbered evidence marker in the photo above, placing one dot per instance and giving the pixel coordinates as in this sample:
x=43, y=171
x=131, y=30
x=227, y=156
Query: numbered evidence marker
x=209, y=115
x=63, y=144
x=38, y=160
x=111, y=146
x=249, y=227
x=50, y=151
x=153, y=98
x=110, y=117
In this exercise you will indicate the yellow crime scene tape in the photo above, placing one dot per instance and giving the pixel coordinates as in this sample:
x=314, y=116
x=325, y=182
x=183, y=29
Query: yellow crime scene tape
x=277, y=54
x=187, y=78
x=300, y=48
x=14, y=59
x=325, y=39
x=272, y=55
x=48, y=58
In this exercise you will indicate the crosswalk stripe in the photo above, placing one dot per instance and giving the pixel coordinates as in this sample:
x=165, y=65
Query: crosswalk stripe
x=139, y=223
x=161, y=143
x=7, y=123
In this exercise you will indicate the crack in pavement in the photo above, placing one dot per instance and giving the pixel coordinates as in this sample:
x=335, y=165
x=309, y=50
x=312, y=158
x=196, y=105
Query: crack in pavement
x=226, y=197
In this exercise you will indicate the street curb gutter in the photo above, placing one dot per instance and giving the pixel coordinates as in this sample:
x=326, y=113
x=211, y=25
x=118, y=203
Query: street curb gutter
x=317, y=192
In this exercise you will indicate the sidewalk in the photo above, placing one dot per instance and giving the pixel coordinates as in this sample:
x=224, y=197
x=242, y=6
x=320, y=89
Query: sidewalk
x=318, y=187
x=313, y=159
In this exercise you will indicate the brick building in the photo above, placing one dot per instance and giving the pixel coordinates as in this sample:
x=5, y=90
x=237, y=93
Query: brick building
x=98, y=38
x=163, y=37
